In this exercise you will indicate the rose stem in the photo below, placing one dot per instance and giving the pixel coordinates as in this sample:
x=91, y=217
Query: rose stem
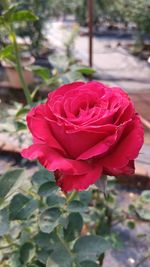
x=72, y=197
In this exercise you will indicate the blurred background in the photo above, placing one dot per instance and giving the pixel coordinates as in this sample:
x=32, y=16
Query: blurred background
x=60, y=41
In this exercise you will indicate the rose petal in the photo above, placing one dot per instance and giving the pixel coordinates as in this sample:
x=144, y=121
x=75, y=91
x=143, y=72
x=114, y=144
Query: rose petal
x=78, y=182
x=64, y=88
x=53, y=160
x=40, y=128
x=126, y=170
x=128, y=147
x=100, y=148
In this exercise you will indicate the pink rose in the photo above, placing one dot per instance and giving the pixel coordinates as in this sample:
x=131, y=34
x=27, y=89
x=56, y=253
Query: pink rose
x=83, y=131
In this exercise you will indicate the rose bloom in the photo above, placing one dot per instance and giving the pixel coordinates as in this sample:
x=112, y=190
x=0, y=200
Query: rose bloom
x=85, y=130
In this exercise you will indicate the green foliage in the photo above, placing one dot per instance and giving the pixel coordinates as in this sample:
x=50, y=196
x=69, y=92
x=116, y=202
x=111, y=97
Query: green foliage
x=41, y=177
x=131, y=224
x=4, y=221
x=73, y=229
x=39, y=228
x=22, y=207
x=22, y=15
x=7, y=52
x=46, y=226
x=49, y=219
x=54, y=200
x=77, y=206
x=90, y=247
x=85, y=70
x=88, y=264
x=8, y=181
x=143, y=214
x=145, y=196
x=47, y=188
x=27, y=252
x=60, y=258
x=42, y=72
x=12, y=15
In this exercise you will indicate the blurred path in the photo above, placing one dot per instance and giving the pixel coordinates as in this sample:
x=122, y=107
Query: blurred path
x=114, y=64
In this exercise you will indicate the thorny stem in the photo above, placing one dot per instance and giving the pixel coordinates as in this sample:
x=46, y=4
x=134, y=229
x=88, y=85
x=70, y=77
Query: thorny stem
x=19, y=67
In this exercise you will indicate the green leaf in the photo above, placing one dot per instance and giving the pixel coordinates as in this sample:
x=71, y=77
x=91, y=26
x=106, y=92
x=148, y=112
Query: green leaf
x=2, y=20
x=143, y=214
x=77, y=206
x=4, y=221
x=86, y=70
x=22, y=15
x=22, y=111
x=42, y=240
x=115, y=240
x=85, y=197
x=42, y=177
x=55, y=201
x=7, y=52
x=20, y=126
x=22, y=207
x=14, y=260
x=71, y=76
x=131, y=224
x=42, y=72
x=43, y=256
x=145, y=196
x=9, y=180
x=9, y=11
x=27, y=252
x=49, y=219
x=88, y=264
x=47, y=189
x=24, y=236
x=64, y=220
x=59, y=258
x=60, y=62
x=90, y=247
x=74, y=227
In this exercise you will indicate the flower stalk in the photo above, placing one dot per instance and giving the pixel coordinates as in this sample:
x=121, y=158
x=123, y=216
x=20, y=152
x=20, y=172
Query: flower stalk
x=71, y=197
x=19, y=68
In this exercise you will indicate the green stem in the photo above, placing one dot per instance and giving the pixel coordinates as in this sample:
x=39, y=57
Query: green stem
x=62, y=241
x=19, y=68
x=72, y=197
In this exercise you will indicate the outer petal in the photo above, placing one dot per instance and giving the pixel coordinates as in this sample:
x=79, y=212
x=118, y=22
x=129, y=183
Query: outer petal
x=128, y=147
x=78, y=182
x=33, y=152
x=40, y=127
x=53, y=160
x=36, y=123
x=127, y=170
